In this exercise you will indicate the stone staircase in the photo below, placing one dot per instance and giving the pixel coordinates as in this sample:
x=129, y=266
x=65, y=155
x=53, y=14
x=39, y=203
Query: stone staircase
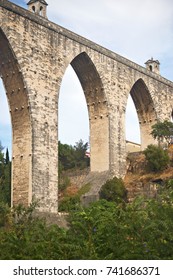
x=96, y=180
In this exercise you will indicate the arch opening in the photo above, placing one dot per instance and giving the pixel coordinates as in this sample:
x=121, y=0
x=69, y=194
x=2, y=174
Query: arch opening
x=73, y=125
x=96, y=111
x=133, y=137
x=6, y=143
x=5, y=120
x=20, y=121
x=73, y=112
x=145, y=111
x=41, y=11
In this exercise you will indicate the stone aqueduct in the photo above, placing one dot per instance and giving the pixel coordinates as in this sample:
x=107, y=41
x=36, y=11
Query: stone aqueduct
x=34, y=54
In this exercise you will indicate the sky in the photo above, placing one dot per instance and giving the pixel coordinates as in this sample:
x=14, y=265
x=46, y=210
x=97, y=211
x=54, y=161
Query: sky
x=135, y=29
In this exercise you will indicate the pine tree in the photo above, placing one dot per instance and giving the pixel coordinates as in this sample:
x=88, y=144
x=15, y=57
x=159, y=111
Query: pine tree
x=5, y=176
x=7, y=158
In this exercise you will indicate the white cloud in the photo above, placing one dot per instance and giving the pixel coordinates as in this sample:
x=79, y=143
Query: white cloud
x=134, y=28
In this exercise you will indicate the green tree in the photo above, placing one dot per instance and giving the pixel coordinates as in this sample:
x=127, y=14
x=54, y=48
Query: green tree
x=66, y=156
x=157, y=158
x=162, y=131
x=7, y=158
x=114, y=190
x=80, y=148
x=5, y=177
x=72, y=156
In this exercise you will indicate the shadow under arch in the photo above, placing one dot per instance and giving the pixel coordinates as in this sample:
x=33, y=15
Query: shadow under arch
x=145, y=111
x=21, y=125
x=97, y=111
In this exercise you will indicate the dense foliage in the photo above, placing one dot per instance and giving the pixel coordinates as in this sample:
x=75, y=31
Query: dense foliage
x=163, y=131
x=157, y=158
x=105, y=230
x=114, y=190
x=5, y=176
x=72, y=202
x=73, y=156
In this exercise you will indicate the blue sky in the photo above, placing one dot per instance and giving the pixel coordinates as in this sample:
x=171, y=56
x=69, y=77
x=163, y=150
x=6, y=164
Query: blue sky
x=135, y=29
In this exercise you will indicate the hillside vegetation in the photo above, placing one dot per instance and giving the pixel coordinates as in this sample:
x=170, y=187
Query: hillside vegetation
x=132, y=220
x=104, y=230
x=141, y=180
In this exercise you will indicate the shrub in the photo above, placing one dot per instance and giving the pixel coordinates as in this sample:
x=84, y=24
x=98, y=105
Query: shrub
x=140, y=230
x=72, y=203
x=69, y=203
x=4, y=213
x=157, y=158
x=113, y=190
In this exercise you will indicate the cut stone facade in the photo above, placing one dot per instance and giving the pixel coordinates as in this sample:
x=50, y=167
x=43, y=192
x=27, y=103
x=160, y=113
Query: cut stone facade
x=34, y=55
x=132, y=147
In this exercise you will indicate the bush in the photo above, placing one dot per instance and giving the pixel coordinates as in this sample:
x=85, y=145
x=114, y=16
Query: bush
x=103, y=231
x=157, y=158
x=69, y=203
x=72, y=203
x=113, y=190
x=138, y=230
x=4, y=213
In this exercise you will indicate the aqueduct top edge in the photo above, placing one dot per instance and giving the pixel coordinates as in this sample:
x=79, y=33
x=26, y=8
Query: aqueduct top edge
x=80, y=39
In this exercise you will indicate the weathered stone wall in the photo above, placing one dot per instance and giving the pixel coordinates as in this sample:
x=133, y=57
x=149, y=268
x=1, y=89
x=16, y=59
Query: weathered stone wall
x=12, y=77
x=41, y=52
x=132, y=147
x=77, y=177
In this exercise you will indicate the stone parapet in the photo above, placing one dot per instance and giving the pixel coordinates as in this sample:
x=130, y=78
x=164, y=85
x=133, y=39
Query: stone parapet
x=79, y=39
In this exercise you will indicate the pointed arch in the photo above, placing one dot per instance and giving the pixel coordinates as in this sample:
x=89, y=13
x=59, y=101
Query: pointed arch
x=89, y=78
x=97, y=111
x=145, y=111
x=132, y=126
x=21, y=125
x=72, y=100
